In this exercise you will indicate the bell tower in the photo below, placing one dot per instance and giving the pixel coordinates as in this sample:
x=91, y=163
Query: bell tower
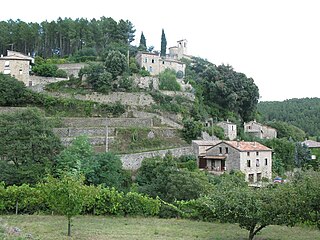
x=182, y=48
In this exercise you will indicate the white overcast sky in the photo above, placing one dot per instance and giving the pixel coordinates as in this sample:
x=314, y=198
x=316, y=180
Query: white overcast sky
x=276, y=42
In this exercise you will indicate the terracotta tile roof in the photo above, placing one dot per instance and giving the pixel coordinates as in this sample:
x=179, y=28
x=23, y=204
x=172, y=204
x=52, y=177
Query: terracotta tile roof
x=311, y=144
x=247, y=146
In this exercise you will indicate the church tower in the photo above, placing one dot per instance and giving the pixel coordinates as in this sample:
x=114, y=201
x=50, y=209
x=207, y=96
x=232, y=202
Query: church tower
x=182, y=48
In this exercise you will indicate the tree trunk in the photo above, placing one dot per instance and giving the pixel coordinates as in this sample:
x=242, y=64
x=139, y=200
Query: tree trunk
x=17, y=207
x=69, y=227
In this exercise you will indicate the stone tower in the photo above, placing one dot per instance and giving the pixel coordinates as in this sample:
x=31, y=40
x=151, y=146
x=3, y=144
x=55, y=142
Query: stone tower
x=182, y=48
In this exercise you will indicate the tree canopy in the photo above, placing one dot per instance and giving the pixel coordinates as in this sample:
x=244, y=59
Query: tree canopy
x=27, y=147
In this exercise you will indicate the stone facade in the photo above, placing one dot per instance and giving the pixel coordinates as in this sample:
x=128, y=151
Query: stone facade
x=17, y=65
x=133, y=161
x=251, y=158
x=258, y=130
x=230, y=129
x=155, y=64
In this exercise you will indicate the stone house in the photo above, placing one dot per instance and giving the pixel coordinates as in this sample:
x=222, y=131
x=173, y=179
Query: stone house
x=230, y=129
x=251, y=158
x=314, y=148
x=258, y=130
x=17, y=65
x=156, y=64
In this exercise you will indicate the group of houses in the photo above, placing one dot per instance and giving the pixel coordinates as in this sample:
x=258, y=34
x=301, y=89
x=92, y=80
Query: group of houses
x=251, y=158
x=155, y=64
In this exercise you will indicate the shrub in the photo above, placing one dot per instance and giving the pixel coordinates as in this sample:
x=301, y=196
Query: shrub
x=168, y=81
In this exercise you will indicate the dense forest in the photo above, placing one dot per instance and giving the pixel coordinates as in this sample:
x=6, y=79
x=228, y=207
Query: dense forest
x=65, y=36
x=303, y=113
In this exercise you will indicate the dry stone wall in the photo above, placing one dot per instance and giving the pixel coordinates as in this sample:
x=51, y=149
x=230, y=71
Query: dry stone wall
x=133, y=161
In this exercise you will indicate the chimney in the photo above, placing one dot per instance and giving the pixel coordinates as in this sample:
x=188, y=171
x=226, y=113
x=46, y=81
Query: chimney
x=254, y=144
x=238, y=143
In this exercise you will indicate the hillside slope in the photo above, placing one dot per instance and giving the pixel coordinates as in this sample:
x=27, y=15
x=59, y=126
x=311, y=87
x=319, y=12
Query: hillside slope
x=303, y=113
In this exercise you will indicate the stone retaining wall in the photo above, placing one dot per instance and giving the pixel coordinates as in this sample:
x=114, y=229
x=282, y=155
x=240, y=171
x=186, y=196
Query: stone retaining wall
x=133, y=161
x=112, y=122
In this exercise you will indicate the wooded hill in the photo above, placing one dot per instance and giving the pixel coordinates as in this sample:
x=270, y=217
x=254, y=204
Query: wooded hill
x=303, y=113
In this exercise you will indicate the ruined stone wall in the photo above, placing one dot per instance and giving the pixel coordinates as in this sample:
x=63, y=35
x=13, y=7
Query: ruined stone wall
x=72, y=68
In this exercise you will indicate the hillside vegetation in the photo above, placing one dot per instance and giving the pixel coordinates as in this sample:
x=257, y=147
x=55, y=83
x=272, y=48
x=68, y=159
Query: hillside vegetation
x=303, y=113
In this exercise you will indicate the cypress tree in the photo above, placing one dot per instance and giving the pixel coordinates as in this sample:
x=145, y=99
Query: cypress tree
x=143, y=43
x=163, y=44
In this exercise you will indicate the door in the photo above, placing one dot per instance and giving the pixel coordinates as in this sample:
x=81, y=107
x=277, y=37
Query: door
x=223, y=165
x=202, y=163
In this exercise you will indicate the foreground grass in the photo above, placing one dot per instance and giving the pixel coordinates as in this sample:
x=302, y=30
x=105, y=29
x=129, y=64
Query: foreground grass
x=98, y=228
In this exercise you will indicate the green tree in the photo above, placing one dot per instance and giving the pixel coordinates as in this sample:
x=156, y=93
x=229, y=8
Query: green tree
x=27, y=147
x=75, y=159
x=163, y=50
x=13, y=92
x=161, y=177
x=106, y=170
x=168, y=81
x=65, y=196
x=191, y=129
x=255, y=209
x=143, y=43
x=116, y=63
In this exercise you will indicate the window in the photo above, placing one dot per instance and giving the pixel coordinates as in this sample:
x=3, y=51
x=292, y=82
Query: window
x=251, y=178
x=6, y=64
x=150, y=69
x=220, y=150
x=30, y=83
x=162, y=62
x=266, y=161
x=146, y=60
x=249, y=127
x=227, y=150
x=248, y=154
x=258, y=177
x=20, y=71
x=257, y=153
x=257, y=163
x=152, y=60
x=248, y=163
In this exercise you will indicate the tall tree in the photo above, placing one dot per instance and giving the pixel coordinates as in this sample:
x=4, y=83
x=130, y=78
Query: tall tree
x=163, y=44
x=143, y=43
x=27, y=147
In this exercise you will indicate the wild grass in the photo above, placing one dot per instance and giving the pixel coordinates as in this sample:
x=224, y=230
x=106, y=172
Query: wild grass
x=98, y=228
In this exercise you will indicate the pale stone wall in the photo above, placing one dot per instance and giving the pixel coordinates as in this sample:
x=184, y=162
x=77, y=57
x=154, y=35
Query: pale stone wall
x=130, y=99
x=230, y=130
x=257, y=164
x=39, y=80
x=154, y=64
x=260, y=131
x=19, y=69
x=187, y=95
x=112, y=122
x=12, y=109
x=133, y=161
x=72, y=68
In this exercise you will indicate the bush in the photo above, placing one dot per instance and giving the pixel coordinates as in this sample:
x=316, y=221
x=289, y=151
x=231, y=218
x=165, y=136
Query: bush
x=168, y=81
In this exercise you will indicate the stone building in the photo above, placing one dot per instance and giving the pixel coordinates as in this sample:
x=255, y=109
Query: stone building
x=258, y=130
x=156, y=64
x=230, y=129
x=251, y=158
x=17, y=65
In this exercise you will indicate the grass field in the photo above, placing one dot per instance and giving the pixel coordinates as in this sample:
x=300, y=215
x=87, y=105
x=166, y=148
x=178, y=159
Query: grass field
x=98, y=228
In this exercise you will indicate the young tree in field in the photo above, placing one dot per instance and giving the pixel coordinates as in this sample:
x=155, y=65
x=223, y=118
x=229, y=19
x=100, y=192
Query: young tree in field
x=65, y=196
x=163, y=44
x=255, y=209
